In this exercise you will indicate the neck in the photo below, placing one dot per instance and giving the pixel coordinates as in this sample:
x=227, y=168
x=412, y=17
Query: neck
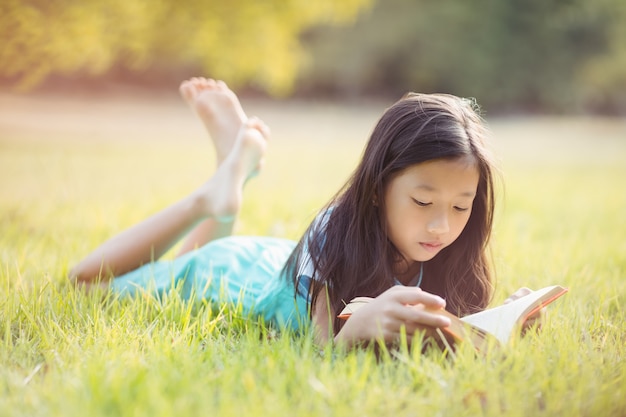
x=411, y=275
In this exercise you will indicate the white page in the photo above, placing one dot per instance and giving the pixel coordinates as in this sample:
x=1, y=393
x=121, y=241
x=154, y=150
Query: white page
x=500, y=321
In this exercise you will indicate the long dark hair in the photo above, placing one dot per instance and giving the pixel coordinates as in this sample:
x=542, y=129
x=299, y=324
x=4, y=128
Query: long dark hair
x=350, y=252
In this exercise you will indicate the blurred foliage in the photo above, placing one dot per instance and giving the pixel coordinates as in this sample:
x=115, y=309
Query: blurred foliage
x=237, y=40
x=528, y=55
x=513, y=55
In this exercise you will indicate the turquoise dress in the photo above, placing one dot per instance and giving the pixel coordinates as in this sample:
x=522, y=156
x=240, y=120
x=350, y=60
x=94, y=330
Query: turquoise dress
x=245, y=271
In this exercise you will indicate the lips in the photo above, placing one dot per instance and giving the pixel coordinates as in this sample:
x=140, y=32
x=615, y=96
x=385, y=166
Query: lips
x=431, y=246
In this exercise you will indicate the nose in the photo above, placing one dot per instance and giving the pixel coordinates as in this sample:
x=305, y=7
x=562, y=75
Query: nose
x=438, y=224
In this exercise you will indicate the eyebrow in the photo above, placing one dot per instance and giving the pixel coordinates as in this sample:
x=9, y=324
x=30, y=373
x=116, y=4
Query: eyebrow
x=427, y=187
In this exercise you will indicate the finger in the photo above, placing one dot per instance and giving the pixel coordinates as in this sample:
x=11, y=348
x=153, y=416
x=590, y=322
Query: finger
x=518, y=294
x=419, y=315
x=394, y=329
x=417, y=331
x=414, y=296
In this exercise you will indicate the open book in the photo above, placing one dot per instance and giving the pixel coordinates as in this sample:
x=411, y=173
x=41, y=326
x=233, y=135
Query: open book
x=495, y=325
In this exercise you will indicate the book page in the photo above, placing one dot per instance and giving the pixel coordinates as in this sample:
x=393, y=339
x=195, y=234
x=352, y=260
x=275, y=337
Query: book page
x=502, y=320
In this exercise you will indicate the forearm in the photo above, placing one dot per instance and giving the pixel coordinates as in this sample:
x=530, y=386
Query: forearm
x=140, y=244
x=351, y=334
x=350, y=337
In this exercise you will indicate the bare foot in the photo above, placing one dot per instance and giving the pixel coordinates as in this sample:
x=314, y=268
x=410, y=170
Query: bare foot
x=219, y=109
x=221, y=196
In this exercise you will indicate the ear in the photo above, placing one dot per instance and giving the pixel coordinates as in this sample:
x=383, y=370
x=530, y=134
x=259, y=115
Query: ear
x=375, y=200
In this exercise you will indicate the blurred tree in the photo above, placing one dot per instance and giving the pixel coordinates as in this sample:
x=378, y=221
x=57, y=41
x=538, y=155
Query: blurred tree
x=239, y=40
x=531, y=55
x=603, y=79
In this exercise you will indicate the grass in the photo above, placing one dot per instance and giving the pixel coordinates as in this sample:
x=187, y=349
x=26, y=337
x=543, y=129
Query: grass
x=65, y=189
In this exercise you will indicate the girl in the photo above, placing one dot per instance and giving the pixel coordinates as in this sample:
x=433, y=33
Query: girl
x=410, y=228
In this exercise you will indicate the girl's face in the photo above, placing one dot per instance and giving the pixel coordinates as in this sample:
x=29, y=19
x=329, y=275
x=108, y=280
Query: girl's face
x=429, y=204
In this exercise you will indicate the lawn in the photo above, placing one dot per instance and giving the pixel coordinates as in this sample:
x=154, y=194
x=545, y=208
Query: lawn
x=73, y=171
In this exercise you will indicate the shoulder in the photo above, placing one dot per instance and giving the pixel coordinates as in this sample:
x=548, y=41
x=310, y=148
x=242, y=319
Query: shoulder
x=321, y=220
x=312, y=243
x=320, y=224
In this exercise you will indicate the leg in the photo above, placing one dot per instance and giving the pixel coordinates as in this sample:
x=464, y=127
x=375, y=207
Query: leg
x=218, y=199
x=221, y=113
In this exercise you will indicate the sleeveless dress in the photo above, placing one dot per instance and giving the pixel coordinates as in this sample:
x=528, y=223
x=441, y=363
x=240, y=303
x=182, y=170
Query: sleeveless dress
x=243, y=270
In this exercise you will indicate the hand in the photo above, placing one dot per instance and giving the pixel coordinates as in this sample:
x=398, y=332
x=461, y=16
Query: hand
x=533, y=320
x=518, y=294
x=397, y=308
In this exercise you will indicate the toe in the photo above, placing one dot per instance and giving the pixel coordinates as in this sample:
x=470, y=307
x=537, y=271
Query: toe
x=207, y=84
x=187, y=90
x=221, y=85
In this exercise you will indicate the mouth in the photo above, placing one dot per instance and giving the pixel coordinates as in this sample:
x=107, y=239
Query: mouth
x=431, y=246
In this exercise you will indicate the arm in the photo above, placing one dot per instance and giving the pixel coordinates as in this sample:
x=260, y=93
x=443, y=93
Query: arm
x=382, y=319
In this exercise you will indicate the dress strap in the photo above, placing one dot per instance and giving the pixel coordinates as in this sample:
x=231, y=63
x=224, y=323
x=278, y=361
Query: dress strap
x=419, y=280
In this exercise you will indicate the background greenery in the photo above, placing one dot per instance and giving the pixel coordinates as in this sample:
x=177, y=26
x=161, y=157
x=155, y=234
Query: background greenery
x=531, y=56
x=241, y=40
x=89, y=168
x=560, y=56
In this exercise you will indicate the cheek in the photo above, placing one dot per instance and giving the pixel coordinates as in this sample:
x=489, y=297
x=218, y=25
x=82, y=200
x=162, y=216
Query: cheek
x=457, y=222
x=402, y=224
x=461, y=223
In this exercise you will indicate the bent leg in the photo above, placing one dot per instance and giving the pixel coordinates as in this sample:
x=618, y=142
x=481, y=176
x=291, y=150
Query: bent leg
x=219, y=199
x=221, y=113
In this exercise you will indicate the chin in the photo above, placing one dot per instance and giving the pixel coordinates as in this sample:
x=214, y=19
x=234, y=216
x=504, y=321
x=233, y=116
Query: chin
x=428, y=255
x=425, y=257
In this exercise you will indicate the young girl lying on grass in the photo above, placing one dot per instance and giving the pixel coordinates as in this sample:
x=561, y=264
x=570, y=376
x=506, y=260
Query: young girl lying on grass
x=410, y=228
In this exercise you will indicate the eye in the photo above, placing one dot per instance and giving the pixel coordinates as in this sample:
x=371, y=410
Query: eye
x=421, y=203
x=461, y=209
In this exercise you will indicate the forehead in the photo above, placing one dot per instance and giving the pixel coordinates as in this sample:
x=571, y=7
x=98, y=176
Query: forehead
x=459, y=176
